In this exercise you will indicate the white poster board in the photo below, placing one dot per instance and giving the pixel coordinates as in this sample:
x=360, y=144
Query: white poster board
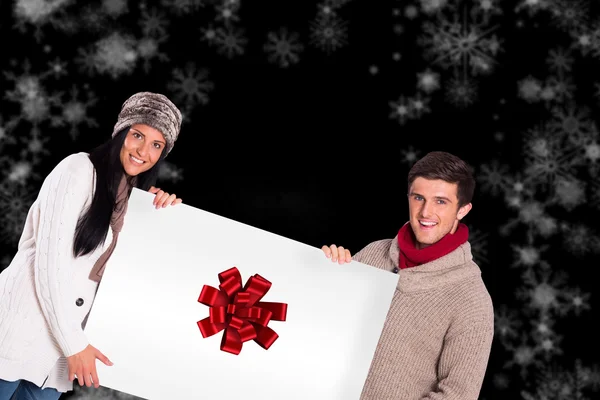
x=146, y=311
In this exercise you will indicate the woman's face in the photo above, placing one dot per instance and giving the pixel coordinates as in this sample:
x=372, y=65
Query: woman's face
x=141, y=149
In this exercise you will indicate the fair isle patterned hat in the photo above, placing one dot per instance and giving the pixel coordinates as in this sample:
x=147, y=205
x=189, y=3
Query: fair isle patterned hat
x=152, y=109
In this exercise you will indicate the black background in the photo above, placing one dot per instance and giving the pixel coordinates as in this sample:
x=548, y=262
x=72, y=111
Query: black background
x=309, y=151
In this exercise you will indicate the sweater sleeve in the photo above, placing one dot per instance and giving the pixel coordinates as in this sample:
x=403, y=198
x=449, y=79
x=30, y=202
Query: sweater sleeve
x=61, y=201
x=463, y=363
x=375, y=254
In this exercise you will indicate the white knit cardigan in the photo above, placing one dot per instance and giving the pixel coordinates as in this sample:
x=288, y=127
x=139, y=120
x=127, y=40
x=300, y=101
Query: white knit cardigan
x=45, y=293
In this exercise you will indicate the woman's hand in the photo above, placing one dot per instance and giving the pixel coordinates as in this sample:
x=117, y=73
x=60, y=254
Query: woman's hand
x=162, y=198
x=83, y=365
x=337, y=254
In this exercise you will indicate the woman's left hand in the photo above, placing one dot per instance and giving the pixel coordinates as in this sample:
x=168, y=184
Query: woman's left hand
x=162, y=198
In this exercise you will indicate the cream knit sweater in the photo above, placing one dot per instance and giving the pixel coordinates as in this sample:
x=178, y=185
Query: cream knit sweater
x=437, y=337
x=45, y=293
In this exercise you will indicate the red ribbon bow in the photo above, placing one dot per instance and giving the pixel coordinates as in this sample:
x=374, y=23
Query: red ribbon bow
x=239, y=311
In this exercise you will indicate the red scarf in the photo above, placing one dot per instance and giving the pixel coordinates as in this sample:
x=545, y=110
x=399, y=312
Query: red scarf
x=410, y=256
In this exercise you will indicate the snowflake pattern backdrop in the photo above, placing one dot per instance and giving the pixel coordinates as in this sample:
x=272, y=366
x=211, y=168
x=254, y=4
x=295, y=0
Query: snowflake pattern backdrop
x=271, y=93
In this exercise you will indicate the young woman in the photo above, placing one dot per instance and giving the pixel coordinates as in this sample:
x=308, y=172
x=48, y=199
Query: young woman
x=70, y=232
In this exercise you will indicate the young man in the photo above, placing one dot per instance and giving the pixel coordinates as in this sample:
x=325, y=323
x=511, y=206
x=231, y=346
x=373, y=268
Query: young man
x=437, y=337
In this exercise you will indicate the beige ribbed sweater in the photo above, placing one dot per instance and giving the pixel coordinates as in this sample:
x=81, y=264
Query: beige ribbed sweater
x=437, y=337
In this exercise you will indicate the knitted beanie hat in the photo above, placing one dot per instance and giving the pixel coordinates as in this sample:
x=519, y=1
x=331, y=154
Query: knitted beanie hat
x=152, y=109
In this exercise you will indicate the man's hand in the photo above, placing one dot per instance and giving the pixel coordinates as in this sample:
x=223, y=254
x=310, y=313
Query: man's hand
x=336, y=253
x=162, y=198
x=83, y=364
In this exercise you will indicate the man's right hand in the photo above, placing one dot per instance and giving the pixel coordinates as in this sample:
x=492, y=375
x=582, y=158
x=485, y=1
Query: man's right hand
x=337, y=253
x=83, y=365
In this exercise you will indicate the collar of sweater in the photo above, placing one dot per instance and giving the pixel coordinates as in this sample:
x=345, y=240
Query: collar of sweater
x=453, y=267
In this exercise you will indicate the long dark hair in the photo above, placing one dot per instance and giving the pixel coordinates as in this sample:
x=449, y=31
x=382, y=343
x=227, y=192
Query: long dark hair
x=92, y=227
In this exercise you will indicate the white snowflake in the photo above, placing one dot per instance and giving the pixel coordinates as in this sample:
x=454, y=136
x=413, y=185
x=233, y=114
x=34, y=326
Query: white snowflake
x=529, y=256
x=227, y=12
x=15, y=201
x=330, y=8
x=517, y=189
x=428, y=81
x=29, y=92
x=530, y=89
x=584, y=40
x=493, y=177
x=6, y=137
x=579, y=240
x=551, y=346
x=419, y=105
x=544, y=291
x=432, y=6
x=37, y=12
x=525, y=356
x=328, y=34
x=149, y=52
x=31, y=95
x=570, y=14
x=547, y=158
x=462, y=41
x=569, y=193
x=115, y=8
x=86, y=61
x=409, y=155
x=554, y=382
x=184, y=7
x=500, y=381
x=591, y=377
x=532, y=7
x=154, y=22
x=507, y=324
x=411, y=11
x=543, y=327
x=76, y=111
x=230, y=41
x=578, y=301
x=190, y=85
x=534, y=216
x=208, y=34
x=489, y=7
x=91, y=18
x=401, y=110
x=115, y=55
x=560, y=60
x=35, y=148
x=19, y=171
x=283, y=47
x=559, y=88
x=170, y=172
x=572, y=122
x=398, y=29
x=548, y=341
x=57, y=68
x=592, y=156
x=461, y=92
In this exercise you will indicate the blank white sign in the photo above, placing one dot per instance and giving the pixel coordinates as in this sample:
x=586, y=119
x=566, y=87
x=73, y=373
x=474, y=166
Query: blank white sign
x=145, y=314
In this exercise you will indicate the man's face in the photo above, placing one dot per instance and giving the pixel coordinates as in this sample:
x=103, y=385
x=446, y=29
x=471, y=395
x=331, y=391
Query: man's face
x=433, y=209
